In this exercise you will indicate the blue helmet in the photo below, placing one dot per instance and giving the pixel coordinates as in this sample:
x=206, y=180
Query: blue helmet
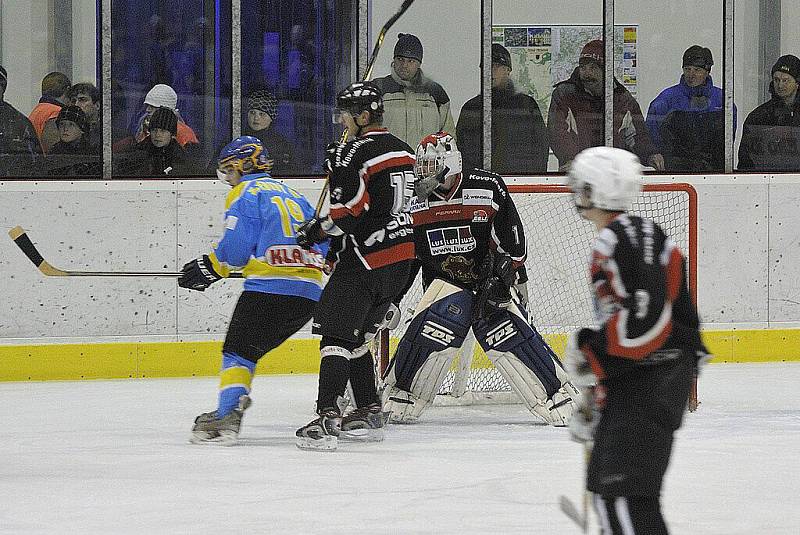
x=246, y=154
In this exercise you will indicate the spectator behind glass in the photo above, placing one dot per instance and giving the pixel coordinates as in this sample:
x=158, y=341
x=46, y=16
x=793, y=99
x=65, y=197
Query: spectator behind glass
x=262, y=112
x=87, y=97
x=771, y=135
x=159, y=154
x=19, y=145
x=73, y=155
x=55, y=88
x=576, y=118
x=162, y=95
x=414, y=105
x=519, y=136
x=687, y=121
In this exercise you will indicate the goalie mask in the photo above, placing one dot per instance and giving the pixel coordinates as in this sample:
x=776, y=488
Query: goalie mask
x=605, y=178
x=243, y=155
x=437, y=158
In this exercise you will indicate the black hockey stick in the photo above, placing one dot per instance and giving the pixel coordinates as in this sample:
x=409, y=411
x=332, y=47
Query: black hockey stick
x=25, y=244
x=367, y=74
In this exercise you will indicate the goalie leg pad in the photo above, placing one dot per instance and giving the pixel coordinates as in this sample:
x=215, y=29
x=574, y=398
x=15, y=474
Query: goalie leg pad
x=426, y=350
x=527, y=363
x=442, y=322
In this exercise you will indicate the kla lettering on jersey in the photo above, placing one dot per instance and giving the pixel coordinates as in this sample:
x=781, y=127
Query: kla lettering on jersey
x=451, y=240
x=292, y=256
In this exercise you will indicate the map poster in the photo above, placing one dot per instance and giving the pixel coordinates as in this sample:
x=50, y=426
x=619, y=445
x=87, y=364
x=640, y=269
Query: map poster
x=542, y=56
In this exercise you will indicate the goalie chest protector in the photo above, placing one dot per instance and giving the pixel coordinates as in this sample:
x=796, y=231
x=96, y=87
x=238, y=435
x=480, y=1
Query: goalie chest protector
x=454, y=232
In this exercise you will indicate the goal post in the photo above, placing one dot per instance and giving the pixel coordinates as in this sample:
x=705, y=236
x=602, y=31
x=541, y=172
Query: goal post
x=559, y=245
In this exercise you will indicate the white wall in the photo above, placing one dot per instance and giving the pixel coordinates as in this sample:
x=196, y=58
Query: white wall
x=84, y=41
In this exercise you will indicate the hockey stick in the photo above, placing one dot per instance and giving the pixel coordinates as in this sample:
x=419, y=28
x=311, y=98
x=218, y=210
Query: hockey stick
x=25, y=244
x=581, y=518
x=367, y=74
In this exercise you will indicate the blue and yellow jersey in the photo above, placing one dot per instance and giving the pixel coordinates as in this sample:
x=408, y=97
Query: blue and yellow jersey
x=261, y=218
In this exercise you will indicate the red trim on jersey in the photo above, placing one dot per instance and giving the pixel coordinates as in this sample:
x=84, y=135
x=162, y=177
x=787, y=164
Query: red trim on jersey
x=391, y=255
x=342, y=210
x=397, y=161
x=636, y=352
x=450, y=212
x=594, y=362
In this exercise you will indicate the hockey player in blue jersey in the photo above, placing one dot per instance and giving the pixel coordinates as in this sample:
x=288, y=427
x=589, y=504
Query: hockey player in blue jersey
x=282, y=284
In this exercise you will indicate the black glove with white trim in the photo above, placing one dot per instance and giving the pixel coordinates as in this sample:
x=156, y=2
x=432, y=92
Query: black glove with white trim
x=198, y=274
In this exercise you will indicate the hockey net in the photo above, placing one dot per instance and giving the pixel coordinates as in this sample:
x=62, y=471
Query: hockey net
x=559, y=245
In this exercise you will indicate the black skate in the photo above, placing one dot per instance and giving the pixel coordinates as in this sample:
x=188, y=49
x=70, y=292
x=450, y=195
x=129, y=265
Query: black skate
x=320, y=434
x=364, y=424
x=209, y=429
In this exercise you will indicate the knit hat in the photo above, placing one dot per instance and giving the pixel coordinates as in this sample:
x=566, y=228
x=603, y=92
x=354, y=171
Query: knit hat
x=593, y=51
x=264, y=101
x=74, y=114
x=698, y=56
x=162, y=95
x=165, y=119
x=789, y=64
x=408, y=46
x=501, y=55
x=3, y=77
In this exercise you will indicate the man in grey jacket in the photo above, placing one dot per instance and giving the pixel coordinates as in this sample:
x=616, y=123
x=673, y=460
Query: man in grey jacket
x=414, y=105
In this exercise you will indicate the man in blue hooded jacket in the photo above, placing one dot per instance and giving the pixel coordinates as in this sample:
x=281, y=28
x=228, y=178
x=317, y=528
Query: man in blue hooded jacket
x=686, y=121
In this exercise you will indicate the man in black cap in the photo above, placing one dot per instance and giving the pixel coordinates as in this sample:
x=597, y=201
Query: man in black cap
x=159, y=154
x=19, y=145
x=686, y=121
x=519, y=136
x=414, y=105
x=771, y=134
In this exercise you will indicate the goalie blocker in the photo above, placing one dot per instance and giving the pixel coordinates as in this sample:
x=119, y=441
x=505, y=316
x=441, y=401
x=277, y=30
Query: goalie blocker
x=438, y=329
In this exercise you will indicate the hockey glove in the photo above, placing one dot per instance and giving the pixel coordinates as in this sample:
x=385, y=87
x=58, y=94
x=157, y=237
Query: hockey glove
x=198, y=274
x=583, y=423
x=579, y=369
x=310, y=233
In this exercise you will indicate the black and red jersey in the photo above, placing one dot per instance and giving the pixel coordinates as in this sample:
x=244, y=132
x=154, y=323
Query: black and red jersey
x=453, y=232
x=641, y=296
x=368, y=191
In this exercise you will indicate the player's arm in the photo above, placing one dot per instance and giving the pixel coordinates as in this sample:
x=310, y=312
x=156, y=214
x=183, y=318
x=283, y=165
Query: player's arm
x=233, y=251
x=508, y=237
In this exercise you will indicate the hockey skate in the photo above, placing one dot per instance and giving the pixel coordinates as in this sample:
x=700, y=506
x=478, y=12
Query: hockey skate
x=365, y=424
x=209, y=429
x=320, y=434
x=403, y=407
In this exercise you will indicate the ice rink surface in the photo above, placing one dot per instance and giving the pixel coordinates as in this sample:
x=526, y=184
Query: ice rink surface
x=112, y=457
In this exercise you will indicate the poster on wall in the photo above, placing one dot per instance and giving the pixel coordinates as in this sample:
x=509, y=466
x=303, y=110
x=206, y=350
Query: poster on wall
x=542, y=56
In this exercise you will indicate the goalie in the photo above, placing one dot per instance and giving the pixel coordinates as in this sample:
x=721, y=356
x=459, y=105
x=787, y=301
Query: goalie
x=470, y=241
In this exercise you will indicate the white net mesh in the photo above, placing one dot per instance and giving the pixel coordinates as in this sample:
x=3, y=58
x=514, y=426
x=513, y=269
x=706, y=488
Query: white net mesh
x=559, y=245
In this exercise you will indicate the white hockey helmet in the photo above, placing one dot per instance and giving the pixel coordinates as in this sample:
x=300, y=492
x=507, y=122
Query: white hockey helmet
x=435, y=153
x=605, y=178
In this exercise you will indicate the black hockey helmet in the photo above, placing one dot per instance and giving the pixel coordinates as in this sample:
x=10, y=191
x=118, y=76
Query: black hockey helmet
x=361, y=96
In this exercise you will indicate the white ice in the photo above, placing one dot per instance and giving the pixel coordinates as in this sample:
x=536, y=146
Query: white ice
x=113, y=457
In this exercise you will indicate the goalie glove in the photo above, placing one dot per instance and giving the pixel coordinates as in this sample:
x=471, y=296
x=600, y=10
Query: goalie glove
x=576, y=364
x=495, y=291
x=198, y=274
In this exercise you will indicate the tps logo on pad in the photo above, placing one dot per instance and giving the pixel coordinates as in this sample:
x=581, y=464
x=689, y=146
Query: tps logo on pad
x=451, y=240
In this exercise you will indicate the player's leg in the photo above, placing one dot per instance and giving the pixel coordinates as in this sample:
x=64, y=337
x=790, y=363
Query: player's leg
x=527, y=363
x=630, y=515
x=339, y=318
x=430, y=343
x=260, y=323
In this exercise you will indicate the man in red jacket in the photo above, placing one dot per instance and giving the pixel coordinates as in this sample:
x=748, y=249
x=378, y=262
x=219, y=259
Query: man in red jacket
x=576, y=117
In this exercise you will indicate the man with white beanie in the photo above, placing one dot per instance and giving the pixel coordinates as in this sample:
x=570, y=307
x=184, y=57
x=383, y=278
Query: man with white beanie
x=162, y=95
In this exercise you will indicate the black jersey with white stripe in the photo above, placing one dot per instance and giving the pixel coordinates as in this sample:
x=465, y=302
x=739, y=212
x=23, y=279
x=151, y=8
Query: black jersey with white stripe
x=368, y=192
x=454, y=231
x=641, y=297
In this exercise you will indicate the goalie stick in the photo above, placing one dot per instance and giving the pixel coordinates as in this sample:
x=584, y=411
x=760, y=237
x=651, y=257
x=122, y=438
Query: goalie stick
x=376, y=49
x=25, y=244
x=581, y=518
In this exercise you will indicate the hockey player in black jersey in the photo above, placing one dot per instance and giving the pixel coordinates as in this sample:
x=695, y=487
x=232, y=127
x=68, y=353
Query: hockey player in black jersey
x=470, y=241
x=372, y=248
x=636, y=368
